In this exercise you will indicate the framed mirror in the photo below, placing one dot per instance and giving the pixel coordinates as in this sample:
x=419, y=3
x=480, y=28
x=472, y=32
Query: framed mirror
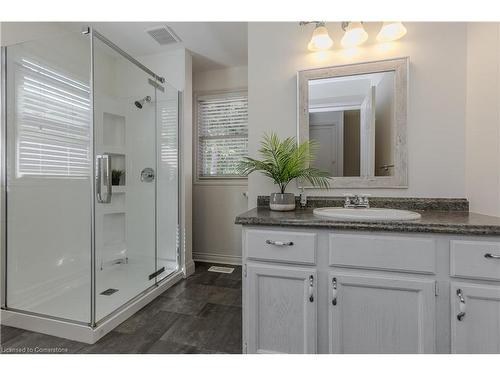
x=356, y=114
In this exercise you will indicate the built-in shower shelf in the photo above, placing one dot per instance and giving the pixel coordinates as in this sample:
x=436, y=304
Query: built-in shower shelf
x=115, y=248
x=113, y=150
x=113, y=211
x=118, y=189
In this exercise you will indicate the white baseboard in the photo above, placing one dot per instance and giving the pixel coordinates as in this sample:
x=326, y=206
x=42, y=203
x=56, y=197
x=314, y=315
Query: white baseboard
x=217, y=258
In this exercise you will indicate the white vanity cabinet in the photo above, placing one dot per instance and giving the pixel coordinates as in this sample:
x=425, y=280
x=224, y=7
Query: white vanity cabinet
x=380, y=314
x=475, y=318
x=475, y=303
x=281, y=309
x=308, y=290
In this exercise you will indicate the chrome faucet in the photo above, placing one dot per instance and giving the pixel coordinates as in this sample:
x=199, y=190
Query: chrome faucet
x=356, y=201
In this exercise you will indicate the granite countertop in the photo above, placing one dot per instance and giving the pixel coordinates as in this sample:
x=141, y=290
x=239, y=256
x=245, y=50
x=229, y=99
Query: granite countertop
x=432, y=221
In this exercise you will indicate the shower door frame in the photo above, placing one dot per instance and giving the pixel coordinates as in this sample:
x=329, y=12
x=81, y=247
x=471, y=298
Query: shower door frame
x=3, y=175
x=106, y=324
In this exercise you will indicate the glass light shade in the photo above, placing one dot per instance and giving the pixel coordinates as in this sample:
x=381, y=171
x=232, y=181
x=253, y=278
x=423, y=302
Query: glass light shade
x=391, y=31
x=355, y=35
x=320, y=39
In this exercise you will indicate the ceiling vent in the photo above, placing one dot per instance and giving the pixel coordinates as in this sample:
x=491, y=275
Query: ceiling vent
x=163, y=35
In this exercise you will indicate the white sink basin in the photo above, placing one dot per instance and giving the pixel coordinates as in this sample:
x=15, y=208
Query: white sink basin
x=366, y=214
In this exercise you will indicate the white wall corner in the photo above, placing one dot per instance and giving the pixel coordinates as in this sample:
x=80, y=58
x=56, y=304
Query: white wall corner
x=482, y=148
x=190, y=268
x=187, y=160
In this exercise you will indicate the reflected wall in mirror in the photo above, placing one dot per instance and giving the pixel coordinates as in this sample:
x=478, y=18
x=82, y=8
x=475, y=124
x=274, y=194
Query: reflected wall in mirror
x=357, y=116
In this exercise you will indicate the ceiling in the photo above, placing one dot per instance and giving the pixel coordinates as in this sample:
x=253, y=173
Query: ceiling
x=214, y=45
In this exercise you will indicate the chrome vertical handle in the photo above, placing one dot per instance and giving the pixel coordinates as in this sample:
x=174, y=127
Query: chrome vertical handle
x=98, y=178
x=334, y=291
x=311, y=288
x=461, y=305
x=103, y=177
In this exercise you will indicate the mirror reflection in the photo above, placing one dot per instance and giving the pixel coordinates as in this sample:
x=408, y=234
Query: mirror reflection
x=352, y=119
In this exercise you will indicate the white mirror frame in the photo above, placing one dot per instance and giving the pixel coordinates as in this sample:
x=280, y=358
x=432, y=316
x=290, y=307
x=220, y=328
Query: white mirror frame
x=400, y=67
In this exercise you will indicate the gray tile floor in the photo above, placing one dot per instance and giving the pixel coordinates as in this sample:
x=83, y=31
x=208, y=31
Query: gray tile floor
x=201, y=314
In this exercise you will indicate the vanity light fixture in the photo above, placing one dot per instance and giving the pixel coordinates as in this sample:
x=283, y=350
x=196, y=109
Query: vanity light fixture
x=354, y=35
x=320, y=39
x=391, y=31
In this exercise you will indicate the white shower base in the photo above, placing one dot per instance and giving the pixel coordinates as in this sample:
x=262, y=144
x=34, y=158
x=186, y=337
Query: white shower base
x=82, y=332
x=130, y=279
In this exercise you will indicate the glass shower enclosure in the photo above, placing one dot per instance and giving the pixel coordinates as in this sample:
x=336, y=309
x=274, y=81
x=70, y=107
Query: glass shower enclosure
x=90, y=178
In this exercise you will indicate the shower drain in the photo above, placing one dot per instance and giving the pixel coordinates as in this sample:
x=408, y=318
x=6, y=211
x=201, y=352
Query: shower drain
x=109, y=292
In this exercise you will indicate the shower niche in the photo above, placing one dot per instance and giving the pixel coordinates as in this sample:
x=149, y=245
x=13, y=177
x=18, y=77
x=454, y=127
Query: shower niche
x=114, y=144
x=113, y=132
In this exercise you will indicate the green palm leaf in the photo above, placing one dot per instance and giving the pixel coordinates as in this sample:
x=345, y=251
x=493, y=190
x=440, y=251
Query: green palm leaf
x=284, y=161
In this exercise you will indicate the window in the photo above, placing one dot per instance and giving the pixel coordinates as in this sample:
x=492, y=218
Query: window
x=222, y=126
x=52, y=123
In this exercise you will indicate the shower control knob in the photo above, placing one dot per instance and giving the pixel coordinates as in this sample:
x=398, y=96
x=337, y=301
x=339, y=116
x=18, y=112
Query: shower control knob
x=147, y=175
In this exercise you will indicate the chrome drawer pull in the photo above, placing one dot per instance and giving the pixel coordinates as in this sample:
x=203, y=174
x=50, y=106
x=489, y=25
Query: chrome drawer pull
x=279, y=243
x=311, y=288
x=334, y=291
x=461, y=305
x=491, y=256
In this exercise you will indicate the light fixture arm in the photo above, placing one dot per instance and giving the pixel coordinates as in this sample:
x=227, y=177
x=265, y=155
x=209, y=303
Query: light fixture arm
x=344, y=25
x=317, y=23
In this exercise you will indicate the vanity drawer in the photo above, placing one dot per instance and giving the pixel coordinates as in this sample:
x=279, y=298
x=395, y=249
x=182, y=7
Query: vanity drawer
x=281, y=246
x=467, y=259
x=392, y=253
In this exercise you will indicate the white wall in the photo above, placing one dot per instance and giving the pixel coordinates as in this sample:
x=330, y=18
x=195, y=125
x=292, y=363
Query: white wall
x=483, y=118
x=17, y=32
x=215, y=205
x=436, y=108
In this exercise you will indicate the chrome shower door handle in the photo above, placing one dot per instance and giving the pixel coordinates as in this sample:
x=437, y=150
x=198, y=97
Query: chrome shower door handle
x=103, y=177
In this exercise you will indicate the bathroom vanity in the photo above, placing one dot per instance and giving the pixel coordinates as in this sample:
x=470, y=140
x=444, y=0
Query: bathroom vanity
x=315, y=285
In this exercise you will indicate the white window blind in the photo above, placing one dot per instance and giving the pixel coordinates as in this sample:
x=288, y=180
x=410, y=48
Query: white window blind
x=52, y=122
x=168, y=111
x=222, y=134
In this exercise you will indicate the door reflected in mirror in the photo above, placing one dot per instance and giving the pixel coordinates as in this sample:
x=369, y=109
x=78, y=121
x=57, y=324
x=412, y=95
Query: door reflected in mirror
x=352, y=120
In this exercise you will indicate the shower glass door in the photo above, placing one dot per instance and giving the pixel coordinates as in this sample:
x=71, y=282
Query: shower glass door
x=49, y=177
x=167, y=195
x=125, y=167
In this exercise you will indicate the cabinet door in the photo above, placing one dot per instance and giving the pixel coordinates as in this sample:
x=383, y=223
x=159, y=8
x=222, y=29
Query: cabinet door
x=475, y=318
x=379, y=314
x=281, y=303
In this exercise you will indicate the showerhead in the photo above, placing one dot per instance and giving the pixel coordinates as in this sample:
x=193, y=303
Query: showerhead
x=140, y=103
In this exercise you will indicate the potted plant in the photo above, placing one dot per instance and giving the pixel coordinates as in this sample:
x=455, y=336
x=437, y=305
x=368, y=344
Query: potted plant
x=116, y=176
x=284, y=161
